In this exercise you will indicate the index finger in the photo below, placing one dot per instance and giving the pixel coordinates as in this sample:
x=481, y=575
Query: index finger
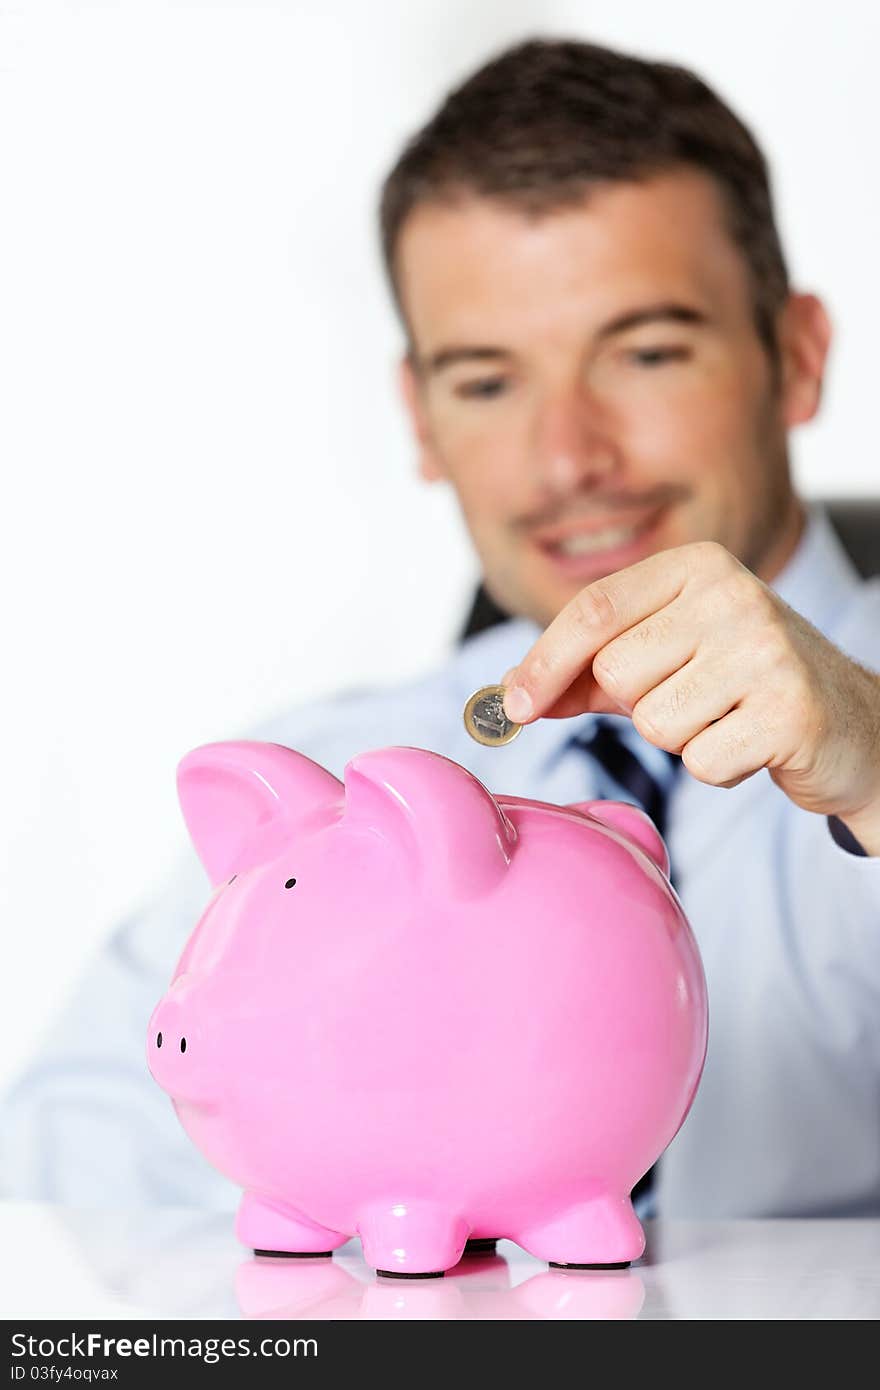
x=600, y=612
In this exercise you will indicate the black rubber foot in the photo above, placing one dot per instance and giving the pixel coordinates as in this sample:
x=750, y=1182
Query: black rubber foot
x=400, y=1274
x=484, y=1245
x=624, y=1264
x=296, y=1254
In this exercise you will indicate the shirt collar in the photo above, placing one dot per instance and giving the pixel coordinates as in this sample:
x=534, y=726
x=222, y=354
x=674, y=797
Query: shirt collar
x=819, y=578
x=816, y=581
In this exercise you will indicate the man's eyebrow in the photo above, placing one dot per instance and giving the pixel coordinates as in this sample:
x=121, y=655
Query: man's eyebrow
x=651, y=313
x=450, y=356
x=654, y=313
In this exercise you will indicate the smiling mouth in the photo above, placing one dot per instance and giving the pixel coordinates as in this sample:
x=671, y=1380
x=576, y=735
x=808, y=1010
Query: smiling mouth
x=594, y=542
x=588, y=544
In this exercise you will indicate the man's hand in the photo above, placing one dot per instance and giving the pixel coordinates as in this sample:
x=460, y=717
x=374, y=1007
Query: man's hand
x=710, y=663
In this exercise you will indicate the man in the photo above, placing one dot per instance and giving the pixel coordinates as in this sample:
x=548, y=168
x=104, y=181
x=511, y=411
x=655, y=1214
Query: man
x=604, y=357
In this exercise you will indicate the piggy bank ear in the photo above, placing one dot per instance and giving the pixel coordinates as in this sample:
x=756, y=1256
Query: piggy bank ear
x=447, y=823
x=242, y=801
x=633, y=822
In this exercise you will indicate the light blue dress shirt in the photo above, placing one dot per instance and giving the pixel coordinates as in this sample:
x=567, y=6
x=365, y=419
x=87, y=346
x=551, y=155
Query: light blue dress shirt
x=786, y=1121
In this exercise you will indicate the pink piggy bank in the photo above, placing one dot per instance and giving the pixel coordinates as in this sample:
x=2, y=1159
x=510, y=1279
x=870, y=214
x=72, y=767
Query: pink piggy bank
x=422, y=1014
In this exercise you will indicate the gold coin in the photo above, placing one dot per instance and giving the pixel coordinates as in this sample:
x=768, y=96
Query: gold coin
x=485, y=720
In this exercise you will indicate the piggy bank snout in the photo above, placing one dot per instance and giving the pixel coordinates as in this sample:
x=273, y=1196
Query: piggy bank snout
x=177, y=1050
x=168, y=1028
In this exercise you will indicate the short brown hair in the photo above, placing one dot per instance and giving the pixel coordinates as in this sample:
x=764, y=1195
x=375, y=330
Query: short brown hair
x=546, y=119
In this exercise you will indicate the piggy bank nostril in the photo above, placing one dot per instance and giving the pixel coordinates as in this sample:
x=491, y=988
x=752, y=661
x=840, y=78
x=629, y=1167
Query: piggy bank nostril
x=159, y=1040
x=183, y=1044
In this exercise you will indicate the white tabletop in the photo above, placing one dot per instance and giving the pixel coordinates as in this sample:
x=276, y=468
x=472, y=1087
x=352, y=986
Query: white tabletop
x=167, y=1263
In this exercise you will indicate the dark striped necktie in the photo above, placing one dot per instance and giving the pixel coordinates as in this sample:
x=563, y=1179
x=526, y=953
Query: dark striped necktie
x=625, y=777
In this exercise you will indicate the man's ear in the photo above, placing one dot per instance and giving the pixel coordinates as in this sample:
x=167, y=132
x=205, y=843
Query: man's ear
x=804, y=335
x=430, y=467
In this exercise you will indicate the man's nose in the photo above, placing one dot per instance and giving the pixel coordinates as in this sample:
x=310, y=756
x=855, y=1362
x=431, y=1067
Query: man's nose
x=574, y=444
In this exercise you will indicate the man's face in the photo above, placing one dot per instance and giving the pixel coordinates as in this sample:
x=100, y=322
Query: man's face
x=592, y=384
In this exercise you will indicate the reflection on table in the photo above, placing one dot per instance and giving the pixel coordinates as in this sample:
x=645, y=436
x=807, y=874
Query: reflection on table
x=176, y=1263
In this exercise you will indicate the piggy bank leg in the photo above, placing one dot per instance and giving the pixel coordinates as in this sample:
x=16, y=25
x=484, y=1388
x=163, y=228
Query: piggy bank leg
x=602, y=1233
x=413, y=1240
x=270, y=1228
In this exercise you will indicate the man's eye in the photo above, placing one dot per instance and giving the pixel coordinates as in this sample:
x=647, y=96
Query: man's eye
x=655, y=357
x=485, y=389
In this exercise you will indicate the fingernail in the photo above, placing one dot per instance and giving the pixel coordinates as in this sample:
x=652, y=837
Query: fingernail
x=517, y=704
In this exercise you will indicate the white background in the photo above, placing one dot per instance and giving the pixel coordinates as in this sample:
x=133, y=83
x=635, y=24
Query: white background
x=209, y=505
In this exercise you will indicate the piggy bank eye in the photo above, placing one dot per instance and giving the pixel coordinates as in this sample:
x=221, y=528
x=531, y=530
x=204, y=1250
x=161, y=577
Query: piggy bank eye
x=290, y=882
x=232, y=880
x=159, y=1040
x=183, y=1044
